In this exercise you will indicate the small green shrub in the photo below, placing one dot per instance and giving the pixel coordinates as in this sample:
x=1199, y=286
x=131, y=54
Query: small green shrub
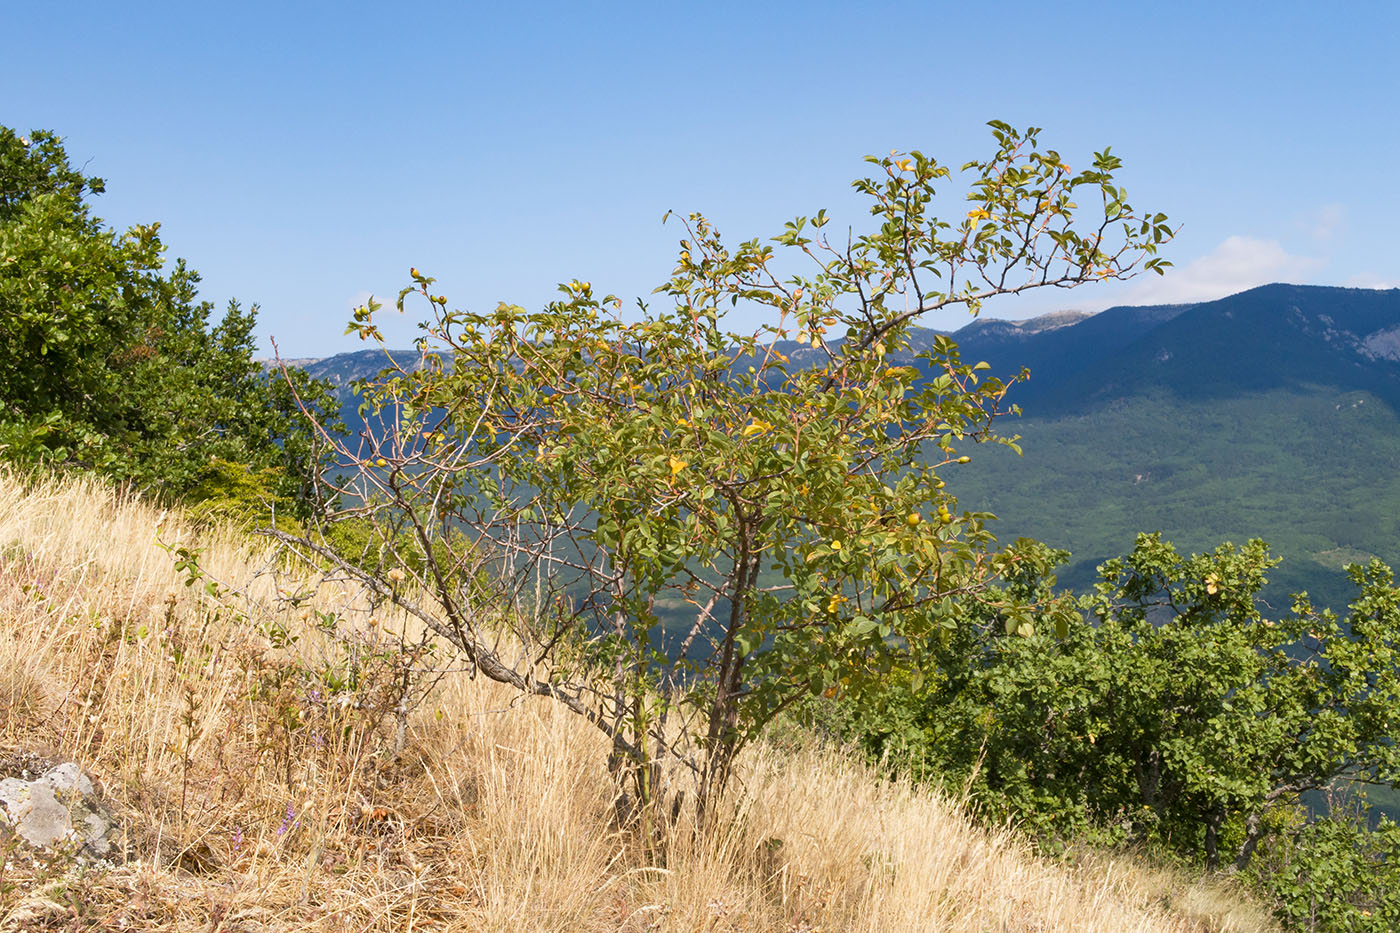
x=1334, y=874
x=247, y=497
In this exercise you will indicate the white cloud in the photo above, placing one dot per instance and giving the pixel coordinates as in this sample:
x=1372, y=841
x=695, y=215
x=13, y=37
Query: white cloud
x=1239, y=263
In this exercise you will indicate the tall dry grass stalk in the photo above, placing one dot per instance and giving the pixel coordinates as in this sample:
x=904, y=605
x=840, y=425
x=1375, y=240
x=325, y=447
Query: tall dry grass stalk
x=252, y=796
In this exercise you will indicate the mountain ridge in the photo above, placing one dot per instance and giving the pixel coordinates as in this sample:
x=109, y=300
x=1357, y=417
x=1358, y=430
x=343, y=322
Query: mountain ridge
x=1267, y=336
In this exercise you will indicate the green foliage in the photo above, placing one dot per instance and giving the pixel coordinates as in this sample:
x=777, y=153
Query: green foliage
x=379, y=548
x=112, y=364
x=1334, y=874
x=235, y=492
x=674, y=503
x=1174, y=711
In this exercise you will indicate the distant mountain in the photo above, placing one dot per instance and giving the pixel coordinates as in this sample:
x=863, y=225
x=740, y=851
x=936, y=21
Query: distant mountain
x=1271, y=337
x=1055, y=353
x=345, y=368
x=1271, y=413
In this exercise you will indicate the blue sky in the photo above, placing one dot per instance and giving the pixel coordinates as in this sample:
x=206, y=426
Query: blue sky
x=303, y=156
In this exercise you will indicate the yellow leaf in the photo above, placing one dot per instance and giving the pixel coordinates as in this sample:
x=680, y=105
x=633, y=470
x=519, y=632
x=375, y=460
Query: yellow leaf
x=678, y=464
x=757, y=427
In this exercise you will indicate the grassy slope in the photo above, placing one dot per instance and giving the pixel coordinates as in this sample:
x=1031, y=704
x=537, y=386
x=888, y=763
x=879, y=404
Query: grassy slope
x=249, y=805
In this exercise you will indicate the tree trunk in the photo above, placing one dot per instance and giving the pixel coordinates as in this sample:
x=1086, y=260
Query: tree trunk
x=1253, y=832
x=1214, y=820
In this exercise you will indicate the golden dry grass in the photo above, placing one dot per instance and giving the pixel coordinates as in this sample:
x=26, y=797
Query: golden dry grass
x=251, y=798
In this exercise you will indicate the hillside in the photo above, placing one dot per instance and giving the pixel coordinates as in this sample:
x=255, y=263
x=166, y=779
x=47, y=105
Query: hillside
x=256, y=792
x=1289, y=337
x=1268, y=414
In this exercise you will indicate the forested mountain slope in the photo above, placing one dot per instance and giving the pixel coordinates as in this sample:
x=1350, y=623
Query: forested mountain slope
x=1267, y=414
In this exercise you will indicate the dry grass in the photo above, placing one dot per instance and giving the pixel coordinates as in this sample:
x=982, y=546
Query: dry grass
x=251, y=799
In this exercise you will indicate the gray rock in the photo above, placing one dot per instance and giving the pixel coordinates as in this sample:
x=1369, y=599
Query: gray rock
x=58, y=807
x=39, y=818
x=12, y=791
x=66, y=778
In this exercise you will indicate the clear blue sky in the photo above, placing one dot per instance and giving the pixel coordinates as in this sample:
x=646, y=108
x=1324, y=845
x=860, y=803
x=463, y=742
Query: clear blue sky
x=302, y=156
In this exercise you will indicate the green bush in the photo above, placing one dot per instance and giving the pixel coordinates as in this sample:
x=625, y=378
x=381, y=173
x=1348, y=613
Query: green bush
x=727, y=522
x=1334, y=873
x=247, y=497
x=1172, y=708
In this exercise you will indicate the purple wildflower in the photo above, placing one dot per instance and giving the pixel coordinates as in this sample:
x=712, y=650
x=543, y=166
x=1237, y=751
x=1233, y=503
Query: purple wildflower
x=288, y=822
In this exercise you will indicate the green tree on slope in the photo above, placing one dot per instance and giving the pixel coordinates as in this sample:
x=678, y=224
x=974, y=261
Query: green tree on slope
x=726, y=522
x=112, y=362
x=1177, y=708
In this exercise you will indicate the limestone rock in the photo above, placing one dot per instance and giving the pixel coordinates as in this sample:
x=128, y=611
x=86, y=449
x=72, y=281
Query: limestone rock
x=59, y=807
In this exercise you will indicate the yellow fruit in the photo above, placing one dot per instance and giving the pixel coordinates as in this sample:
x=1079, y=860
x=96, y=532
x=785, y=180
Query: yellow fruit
x=912, y=519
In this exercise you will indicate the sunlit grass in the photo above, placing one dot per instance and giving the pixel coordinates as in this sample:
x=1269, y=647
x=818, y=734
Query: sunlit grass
x=254, y=794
